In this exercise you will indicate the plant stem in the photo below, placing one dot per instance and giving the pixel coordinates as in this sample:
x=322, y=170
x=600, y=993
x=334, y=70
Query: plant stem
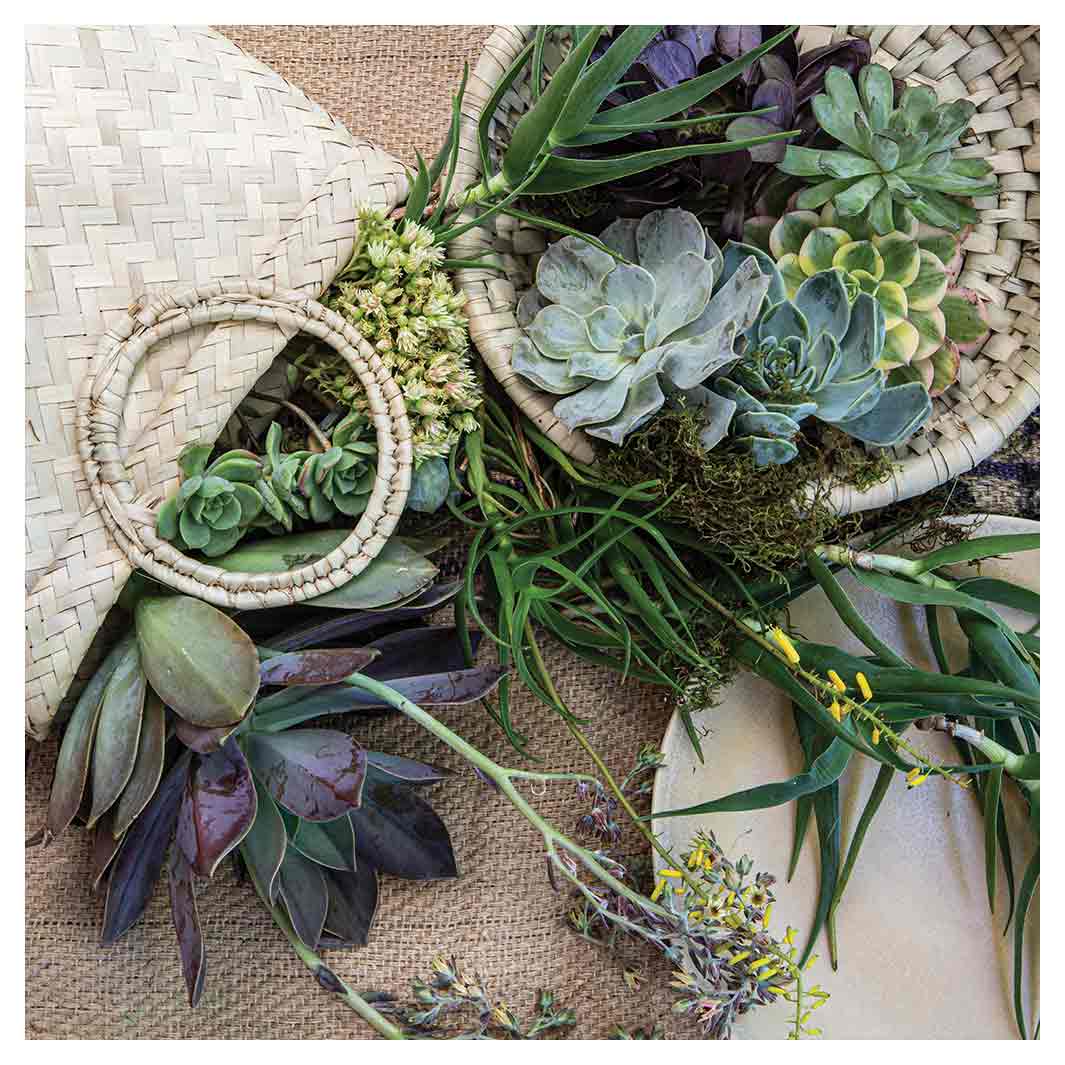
x=300, y=413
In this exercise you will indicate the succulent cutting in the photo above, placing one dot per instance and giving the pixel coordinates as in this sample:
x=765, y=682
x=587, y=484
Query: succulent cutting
x=892, y=155
x=911, y=273
x=607, y=335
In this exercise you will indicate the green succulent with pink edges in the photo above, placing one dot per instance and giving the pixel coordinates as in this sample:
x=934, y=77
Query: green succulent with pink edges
x=910, y=271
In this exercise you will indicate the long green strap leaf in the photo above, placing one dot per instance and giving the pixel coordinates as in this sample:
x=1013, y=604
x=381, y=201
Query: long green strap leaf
x=977, y=548
x=992, y=798
x=1005, y=593
x=1024, y=899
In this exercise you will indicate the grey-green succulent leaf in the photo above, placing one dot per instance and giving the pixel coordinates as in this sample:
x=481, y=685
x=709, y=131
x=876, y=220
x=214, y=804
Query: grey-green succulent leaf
x=613, y=337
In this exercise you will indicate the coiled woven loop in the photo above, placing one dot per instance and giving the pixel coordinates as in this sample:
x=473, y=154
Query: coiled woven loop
x=130, y=517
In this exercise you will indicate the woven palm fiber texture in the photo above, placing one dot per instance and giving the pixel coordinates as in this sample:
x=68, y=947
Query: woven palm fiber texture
x=501, y=919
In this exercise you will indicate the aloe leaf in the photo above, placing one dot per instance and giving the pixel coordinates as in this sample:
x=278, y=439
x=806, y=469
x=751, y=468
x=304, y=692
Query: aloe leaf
x=297, y=668
x=1024, y=899
x=533, y=130
x=1004, y=593
x=668, y=102
x=848, y=613
x=433, y=649
x=187, y=925
x=352, y=903
x=104, y=848
x=75, y=752
x=599, y=80
x=263, y=848
x=418, y=196
x=492, y=104
x=317, y=774
x=140, y=858
x=328, y=843
x=197, y=660
x=406, y=769
x=827, y=818
x=117, y=733
x=399, y=833
x=804, y=808
x=218, y=808
x=302, y=887
x=979, y=547
x=992, y=798
x=147, y=769
x=396, y=573
x=452, y=148
x=998, y=653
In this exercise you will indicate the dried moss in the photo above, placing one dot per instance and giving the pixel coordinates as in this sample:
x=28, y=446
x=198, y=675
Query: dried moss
x=766, y=517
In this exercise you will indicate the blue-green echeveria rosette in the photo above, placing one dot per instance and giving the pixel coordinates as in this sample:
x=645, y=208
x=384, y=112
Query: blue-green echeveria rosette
x=613, y=333
x=215, y=505
x=890, y=155
x=816, y=355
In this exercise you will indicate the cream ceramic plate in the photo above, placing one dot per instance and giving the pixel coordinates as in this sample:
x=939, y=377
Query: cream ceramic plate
x=921, y=957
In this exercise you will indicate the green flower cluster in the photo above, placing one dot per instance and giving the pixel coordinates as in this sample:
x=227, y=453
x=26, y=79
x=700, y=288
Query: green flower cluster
x=393, y=293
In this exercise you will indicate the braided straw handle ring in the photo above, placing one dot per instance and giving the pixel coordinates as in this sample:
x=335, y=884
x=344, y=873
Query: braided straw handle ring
x=131, y=518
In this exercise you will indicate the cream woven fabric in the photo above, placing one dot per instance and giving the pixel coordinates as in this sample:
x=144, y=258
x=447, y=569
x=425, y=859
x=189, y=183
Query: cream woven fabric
x=156, y=156
x=997, y=67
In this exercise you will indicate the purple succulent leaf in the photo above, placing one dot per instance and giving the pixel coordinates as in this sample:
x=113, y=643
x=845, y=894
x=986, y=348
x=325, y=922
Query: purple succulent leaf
x=406, y=769
x=218, y=808
x=104, y=849
x=778, y=93
x=187, y=924
x=850, y=55
x=317, y=774
x=668, y=63
x=315, y=667
x=302, y=888
x=140, y=858
x=352, y=905
x=733, y=41
x=701, y=41
x=201, y=740
x=428, y=649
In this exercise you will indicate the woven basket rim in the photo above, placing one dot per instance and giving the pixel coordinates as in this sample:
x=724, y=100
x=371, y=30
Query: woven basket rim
x=130, y=518
x=1007, y=388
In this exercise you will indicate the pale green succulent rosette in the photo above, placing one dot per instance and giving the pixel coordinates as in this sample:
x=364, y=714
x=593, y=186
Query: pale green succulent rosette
x=215, y=505
x=890, y=156
x=612, y=333
x=818, y=355
x=910, y=273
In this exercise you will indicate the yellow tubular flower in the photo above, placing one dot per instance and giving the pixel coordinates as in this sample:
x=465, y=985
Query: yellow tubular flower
x=676, y=874
x=659, y=888
x=876, y=736
x=863, y=686
x=783, y=641
x=837, y=681
x=835, y=710
x=765, y=917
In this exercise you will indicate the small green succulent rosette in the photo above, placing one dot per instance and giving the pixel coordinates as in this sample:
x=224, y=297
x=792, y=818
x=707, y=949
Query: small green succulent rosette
x=890, y=155
x=817, y=355
x=612, y=331
x=910, y=272
x=215, y=505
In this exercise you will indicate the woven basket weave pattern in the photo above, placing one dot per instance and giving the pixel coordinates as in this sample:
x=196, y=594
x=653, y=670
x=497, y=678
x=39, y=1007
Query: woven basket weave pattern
x=156, y=156
x=997, y=67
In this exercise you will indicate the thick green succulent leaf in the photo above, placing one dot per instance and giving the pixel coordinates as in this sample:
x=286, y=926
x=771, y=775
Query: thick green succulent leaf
x=644, y=398
x=559, y=332
x=140, y=858
x=737, y=299
x=218, y=808
x=737, y=254
x=877, y=91
x=303, y=890
x=901, y=256
x=192, y=460
x=682, y=290
x=430, y=484
x=839, y=399
x=195, y=534
x=166, y=519
x=769, y=452
x=147, y=769
x=317, y=774
x=928, y=288
x=966, y=319
x=263, y=848
x=782, y=321
x=549, y=375
x=75, y=751
x=198, y=660
x=863, y=343
x=570, y=274
x=631, y=289
x=606, y=328
x=620, y=237
x=117, y=733
x=663, y=236
x=187, y=924
x=901, y=411
x=598, y=402
x=819, y=250
x=822, y=299
x=790, y=230
x=329, y=843
x=397, y=572
x=688, y=363
x=716, y=411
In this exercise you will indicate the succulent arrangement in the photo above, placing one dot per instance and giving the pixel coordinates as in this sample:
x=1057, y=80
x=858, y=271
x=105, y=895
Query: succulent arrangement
x=891, y=155
x=608, y=334
x=911, y=273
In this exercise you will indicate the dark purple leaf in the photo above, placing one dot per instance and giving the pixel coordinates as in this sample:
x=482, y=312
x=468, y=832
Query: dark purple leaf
x=399, y=833
x=317, y=774
x=304, y=894
x=328, y=843
x=140, y=858
x=202, y=740
x=668, y=63
x=849, y=55
x=753, y=126
x=187, y=925
x=317, y=633
x=701, y=41
x=147, y=769
x=422, y=650
x=406, y=769
x=315, y=667
x=352, y=904
x=104, y=849
x=733, y=41
x=218, y=808
x=434, y=596
x=779, y=93
x=263, y=848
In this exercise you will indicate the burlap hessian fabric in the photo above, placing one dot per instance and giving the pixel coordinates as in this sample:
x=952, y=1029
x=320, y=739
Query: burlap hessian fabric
x=501, y=919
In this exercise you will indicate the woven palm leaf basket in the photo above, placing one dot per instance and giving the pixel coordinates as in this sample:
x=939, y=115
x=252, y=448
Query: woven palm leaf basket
x=997, y=68
x=186, y=207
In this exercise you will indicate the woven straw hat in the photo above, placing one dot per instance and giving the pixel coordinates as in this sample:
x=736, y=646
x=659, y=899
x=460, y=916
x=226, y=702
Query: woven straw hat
x=144, y=218
x=997, y=67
